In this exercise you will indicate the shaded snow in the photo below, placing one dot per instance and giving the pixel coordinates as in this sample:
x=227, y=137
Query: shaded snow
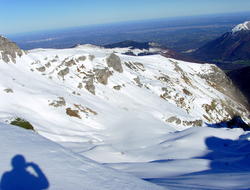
x=63, y=168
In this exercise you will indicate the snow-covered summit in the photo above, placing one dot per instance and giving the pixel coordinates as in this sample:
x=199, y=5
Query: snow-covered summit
x=241, y=27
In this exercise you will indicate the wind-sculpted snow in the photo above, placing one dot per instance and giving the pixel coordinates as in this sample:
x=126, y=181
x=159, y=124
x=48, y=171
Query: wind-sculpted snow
x=125, y=114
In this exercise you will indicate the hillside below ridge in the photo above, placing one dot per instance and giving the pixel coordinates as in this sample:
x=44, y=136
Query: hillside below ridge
x=94, y=70
x=97, y=101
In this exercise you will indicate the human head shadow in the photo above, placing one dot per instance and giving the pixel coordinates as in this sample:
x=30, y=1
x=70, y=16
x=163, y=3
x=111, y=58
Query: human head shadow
x=20, y=178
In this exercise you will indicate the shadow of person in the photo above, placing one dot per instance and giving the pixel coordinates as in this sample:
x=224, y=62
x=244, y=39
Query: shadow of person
x=19, y=178
x=227, y=154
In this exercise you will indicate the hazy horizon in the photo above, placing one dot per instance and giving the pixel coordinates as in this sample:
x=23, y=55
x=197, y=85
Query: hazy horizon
x=28, y=16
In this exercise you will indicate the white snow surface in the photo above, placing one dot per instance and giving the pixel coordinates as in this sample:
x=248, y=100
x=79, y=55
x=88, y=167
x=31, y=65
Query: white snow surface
x=126, y=129
x=63, y=168
x=242, y=26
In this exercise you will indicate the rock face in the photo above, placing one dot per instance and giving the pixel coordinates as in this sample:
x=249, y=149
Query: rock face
x=241, y=78
x=115, y=62
x=9, y=50
x=222, y=83
x=102, y=75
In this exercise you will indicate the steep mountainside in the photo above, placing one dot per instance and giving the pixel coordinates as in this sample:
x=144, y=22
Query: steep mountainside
x=231, y=46
x=241, y=78
x=134, y=113
x=9, y=50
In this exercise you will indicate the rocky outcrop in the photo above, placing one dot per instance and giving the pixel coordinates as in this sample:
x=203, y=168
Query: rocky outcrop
x=41, y=69
x=219, y=80
x=9, y=50
x=115, y=62
x=90, y=85
x=63, y=72
x=58, y=103
x=102, y=75
x=241, y=78
x=176, y=120
x=118, y=87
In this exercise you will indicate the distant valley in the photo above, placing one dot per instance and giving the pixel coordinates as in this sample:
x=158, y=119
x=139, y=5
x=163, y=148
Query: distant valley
x=180, y=34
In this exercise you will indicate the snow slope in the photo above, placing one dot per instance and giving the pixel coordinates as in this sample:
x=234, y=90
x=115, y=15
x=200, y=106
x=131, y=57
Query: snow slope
x=63, y=168
x=143, y=115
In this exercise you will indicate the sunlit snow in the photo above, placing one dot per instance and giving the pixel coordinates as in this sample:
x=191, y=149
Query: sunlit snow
x=125, y=124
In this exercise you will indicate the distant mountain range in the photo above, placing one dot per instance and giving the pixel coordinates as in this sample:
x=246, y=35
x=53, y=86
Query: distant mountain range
x=149, y=48
x=232, y=46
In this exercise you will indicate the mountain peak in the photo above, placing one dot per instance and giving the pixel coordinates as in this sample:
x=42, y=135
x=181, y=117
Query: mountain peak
x=243, y=26
x=9, y=50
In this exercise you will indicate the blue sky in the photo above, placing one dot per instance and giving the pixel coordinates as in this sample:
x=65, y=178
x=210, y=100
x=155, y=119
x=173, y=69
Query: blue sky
x=18, y=16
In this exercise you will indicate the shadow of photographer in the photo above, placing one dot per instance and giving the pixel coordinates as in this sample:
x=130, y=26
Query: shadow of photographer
x=19, y=178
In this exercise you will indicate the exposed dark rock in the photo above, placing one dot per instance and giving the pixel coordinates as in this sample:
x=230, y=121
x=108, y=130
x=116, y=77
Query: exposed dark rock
x=137, y=80
x=90, y=85
x=131, y=66
x=135, y=66
x=63, y=72
x=73, y=113
x=115, y=62
x=81, y=58
x=69, y=63
x=80, y=85
x=240, y=79
x=166, y=94
x=185, y=91
x=41, y=69
x=91, y=57
x=9, y=48
x=174, y=119
x=48, y=64
x=219, y=80
x=102, y=75
x=164, y=78
x=196, y=123
x=58, y=103
x=118, y=87
x=8, y=90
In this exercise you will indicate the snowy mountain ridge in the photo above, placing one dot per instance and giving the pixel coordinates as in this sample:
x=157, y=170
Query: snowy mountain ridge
x=133, y=113
x=242, y=26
